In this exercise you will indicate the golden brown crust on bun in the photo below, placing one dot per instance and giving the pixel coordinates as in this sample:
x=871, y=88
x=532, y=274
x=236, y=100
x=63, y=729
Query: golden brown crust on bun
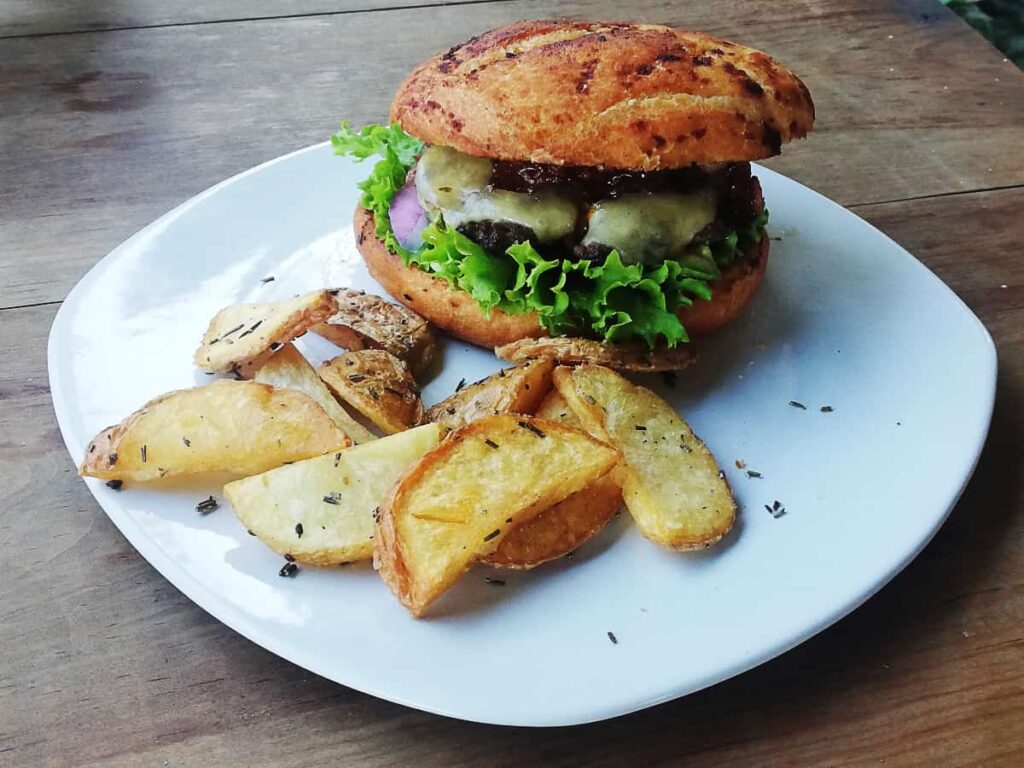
x=457, y=313
x=636, y=96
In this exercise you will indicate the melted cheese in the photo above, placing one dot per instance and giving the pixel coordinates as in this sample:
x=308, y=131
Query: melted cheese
x=646, y=228
x=458, y=186
x=650, y=228
x=550, y=216
x=444, y=175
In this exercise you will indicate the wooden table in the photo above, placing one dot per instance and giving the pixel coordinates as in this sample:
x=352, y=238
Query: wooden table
x=109, y=116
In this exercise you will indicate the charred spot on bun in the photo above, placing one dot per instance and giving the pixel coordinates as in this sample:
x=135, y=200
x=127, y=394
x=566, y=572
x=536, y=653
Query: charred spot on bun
x=564, y=178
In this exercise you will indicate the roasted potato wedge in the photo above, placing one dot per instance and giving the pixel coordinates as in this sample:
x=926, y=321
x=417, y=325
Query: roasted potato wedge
x=320, y=511
x=560, y=529
x=365, y=321
x=376, y=384
x=671, y=483
x=287, y=368
x=576, y=351
x=458, y=502
x=519, y=389
x=241, y=427
x=241, y=337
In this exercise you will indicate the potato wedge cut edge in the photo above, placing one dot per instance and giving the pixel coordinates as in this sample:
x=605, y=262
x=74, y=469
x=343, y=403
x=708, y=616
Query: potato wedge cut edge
x=671, y=483
x=320, y=511
x=457, y=503
x=238, y=427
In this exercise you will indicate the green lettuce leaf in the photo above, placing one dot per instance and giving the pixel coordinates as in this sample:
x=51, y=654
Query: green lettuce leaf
x=398, y=152
x=606, y=299
x=725, y=250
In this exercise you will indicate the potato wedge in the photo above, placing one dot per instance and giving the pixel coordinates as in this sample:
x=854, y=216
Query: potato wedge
x=365, y=321
x=576, y=351
x=671, y=483
x=241, y=337
x=560, y=529
x=241, y=427
x=320, y=511
x=457, y=503
x=287, y=368
x=519, y=389
x=376, y=384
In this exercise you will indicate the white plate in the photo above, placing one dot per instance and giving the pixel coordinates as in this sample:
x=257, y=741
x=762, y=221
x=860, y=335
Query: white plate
x=845, y=318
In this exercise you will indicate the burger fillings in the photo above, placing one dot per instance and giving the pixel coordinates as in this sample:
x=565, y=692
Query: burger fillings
x=547, y=238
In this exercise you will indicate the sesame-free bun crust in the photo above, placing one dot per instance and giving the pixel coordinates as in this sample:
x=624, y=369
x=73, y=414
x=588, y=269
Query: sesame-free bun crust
x=632, y=96
x=456, y=312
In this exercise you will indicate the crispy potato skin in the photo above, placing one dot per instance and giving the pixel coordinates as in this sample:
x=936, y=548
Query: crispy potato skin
x=389, y=558
x=287, y=368
x=576, y=351
x=560, y=529
x=456, y=312
x=671, y=483
x=365, y=321
x=241, y=337
x=633, y=96
x=519, y=389
x=457, y=503
x=378, y=385
x=241, y=427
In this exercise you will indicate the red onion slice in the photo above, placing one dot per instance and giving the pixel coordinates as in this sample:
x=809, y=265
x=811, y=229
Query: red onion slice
x=408, y=219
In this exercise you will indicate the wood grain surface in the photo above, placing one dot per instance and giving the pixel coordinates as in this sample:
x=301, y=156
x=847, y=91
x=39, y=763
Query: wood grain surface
x=104, y=663
x=121, y=126
x=38, y=17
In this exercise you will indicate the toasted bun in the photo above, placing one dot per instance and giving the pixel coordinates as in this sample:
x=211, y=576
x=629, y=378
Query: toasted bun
x=633, y=96
x=457, y=313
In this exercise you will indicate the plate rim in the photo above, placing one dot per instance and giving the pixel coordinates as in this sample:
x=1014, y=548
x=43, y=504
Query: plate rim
x=208, y=599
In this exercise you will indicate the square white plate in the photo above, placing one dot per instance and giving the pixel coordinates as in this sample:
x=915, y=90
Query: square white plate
x=846, y=318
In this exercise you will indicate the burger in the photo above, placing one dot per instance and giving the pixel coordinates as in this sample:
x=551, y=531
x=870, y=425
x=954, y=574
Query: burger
x=577, y=181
